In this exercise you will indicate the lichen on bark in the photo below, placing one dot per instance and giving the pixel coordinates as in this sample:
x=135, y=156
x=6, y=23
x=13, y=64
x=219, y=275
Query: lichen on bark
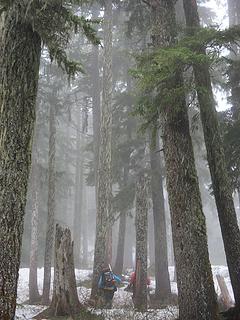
x=19, y=66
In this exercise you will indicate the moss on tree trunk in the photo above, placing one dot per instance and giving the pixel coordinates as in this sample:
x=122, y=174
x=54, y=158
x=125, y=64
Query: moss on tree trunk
x=104, y=183
x=141, y=222
x=216, y=159
x=19, y=66
x=196, y=295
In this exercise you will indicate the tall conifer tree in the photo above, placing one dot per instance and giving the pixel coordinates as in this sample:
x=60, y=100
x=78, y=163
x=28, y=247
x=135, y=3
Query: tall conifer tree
x=26, y=25
x=215, y=155
x=196, y=294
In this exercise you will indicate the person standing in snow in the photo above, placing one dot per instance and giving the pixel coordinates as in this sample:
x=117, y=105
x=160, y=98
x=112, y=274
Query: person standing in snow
x=107, y=285
x=132, y=284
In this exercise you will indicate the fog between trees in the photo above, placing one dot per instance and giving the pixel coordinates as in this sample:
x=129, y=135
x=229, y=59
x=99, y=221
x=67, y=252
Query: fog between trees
x=109, y=127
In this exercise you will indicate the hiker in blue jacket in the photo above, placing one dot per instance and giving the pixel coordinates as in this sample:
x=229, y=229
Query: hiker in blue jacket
x=107, y=284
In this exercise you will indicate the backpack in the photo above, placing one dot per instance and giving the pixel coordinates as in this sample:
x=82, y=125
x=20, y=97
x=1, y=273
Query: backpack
x=108, y=279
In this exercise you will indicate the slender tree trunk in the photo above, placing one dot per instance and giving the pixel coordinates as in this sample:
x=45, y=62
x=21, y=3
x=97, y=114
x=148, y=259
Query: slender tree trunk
x=128, y=250
x=196, y=295
x=234, y=19
x=96, y=101
x=84, y=202
x=65, y=297
x=34, y=295
x=118, y=268
x=216, y=160
x=122, y=226
x=67, y=172
x=151, y=249
x=141, y=222
x=85, y=229
x=163, y=288
x=104, y=189
x=51, y=206
x=19, y=66
x=78, y=193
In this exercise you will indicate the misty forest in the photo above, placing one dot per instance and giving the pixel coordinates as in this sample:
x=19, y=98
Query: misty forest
x=120, y=159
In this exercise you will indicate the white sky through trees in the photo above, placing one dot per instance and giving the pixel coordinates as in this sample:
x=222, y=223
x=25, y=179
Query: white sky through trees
x=219, y=7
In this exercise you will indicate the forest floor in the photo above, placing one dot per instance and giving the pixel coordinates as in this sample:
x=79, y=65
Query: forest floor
x=122, y=304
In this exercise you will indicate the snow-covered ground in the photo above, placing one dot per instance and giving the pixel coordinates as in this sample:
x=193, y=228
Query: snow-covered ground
x=122, y=305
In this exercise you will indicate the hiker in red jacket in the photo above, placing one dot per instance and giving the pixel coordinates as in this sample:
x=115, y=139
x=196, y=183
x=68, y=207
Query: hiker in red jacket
x=133, y=279
x=132, y=284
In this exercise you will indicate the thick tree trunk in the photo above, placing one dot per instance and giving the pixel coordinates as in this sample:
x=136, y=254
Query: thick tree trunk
x=104, y=186
x=65, y=298
x=78, y=193
x=109, y=246
x=19, y=66
x=141, y=222
x=34, y=296
x=196, y=295
x=216, y=160
x=51, y=206
x=163, y=288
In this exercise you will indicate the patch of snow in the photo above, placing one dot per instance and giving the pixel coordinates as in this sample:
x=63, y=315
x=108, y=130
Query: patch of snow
x=122, y=303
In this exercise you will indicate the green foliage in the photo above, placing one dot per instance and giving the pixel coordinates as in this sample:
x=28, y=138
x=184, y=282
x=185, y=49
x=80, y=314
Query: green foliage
x=55, y=21
x=158, y=72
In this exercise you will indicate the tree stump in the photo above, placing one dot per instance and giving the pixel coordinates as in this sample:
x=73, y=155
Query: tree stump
x=65, y=298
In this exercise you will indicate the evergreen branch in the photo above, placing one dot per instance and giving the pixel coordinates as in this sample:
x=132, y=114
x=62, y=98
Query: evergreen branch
x=55, y=21
x=156, y=72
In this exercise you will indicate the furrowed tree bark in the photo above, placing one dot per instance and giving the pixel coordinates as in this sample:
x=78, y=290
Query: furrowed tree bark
x=51, y=206
x=34, y=296
x=196, y=295
x=119, y=263
x=163, y=288
x=65, y=297
x=141, y=222
x=19, y=66
x=104, y=183
x=216, y=159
